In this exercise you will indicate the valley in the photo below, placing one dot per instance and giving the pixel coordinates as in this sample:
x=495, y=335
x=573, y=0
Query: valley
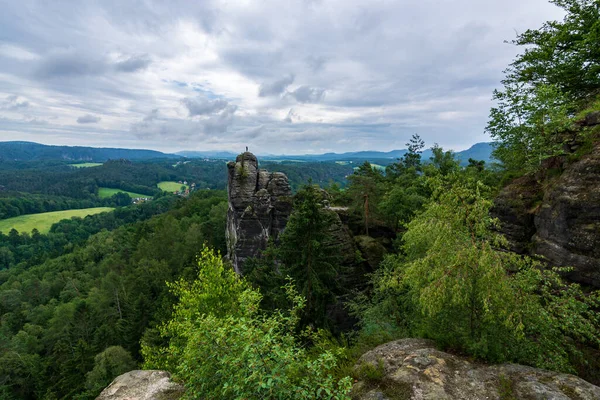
x=307, y=201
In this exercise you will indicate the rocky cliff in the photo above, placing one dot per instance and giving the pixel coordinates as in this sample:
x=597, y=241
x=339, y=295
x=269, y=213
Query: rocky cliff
x=556, y=212
x=143, y=385
x=260, y=204
x=414, y=369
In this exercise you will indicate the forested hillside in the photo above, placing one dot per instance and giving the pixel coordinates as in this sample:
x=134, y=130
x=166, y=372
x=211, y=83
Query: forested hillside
x=28, y=151
x=67, y=299
x=347, y=256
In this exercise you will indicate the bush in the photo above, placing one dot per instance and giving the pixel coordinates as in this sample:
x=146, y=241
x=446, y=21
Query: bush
x=222, y=346
x=456, y=285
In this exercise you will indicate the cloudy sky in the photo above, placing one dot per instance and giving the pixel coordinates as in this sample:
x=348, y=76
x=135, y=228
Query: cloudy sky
x=302, y=76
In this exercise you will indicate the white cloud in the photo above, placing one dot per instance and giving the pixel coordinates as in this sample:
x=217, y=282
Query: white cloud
x=327, y=75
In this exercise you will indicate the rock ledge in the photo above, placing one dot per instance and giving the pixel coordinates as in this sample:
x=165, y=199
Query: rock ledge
x=142, y=385
x=414, y=369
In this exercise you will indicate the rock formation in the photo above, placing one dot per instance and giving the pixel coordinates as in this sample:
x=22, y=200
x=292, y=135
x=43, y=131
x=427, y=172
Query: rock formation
x=556, y=213
x=142, y=385
x=413, y=369
x=260, y=204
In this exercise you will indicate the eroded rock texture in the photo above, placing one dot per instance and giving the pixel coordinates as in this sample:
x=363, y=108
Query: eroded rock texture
x=556, y=213
x=414, y=369
x=260, y=204
x=142, y=385
x=568, y=221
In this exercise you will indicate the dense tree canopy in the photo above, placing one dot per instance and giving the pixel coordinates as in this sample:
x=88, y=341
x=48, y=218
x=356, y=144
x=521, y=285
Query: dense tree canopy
x=556, y=76
x=62, y=316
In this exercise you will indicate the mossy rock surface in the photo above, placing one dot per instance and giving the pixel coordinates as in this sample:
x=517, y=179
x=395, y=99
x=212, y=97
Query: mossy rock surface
x=371, y=249
x=410, y=369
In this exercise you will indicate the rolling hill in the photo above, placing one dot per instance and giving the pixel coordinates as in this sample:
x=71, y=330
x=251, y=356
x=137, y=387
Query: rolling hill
x=30, y=151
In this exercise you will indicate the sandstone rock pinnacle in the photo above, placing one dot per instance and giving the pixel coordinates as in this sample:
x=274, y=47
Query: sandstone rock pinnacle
x=260, y=204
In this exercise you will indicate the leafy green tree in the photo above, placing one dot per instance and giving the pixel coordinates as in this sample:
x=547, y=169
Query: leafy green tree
x=412, y=159
x=306, y=254
x=563, y=54
x=222, y=346
x=442, y=162
x=366, y=190
x=557, y=74
x=455, y=284
x=527, y=123
x=108, y=364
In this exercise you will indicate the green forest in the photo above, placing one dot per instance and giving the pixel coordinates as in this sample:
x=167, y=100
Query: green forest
x=148, y=285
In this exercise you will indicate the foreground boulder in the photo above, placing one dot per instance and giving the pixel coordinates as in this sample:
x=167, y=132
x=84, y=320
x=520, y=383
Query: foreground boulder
x=414, y=369
x=142, y=385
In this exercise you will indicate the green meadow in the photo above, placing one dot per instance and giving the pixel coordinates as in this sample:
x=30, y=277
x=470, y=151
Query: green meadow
x=104, y=192
x=86, y=165
x=43, y=221
x=170, y=186
x=377, y=166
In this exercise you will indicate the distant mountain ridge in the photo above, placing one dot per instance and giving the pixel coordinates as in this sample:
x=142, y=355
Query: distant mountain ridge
x=30, y=151
x=206, y=154
x=479, y=151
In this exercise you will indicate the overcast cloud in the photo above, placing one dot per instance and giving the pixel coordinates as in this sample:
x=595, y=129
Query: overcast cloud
x=281, y=77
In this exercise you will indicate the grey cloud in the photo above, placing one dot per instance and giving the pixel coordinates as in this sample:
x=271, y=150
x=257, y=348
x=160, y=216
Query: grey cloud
x=133, y=63
x=250, y=133
x=203, y=106
x=390, y=69
x=70, y=63
x=88, y=119
x=220, y=123
x=13, y=103
x=291, y=114
x=153, y=126
x=307, y=94
x=151, y=116
x=316, y=63
x=275, y=88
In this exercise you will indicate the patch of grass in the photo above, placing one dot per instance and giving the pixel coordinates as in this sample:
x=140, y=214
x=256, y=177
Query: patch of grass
x=86, y=165
x=594, y=106
x=43, y=221
x=396, y=390
x=104, y=192
x=506, y=389
x=376, y=166
x=370, y=373
x=170, y=186
x=374, y=377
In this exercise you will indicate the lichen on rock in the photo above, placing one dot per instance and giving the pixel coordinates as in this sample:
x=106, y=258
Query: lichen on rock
x=413, y=369
x=143, y=385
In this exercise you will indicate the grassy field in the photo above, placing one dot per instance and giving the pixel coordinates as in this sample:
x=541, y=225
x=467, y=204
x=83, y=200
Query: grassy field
x=108, y=192
x=86, y=165
x=43, y=221
x=169, y=186
x=376, y=166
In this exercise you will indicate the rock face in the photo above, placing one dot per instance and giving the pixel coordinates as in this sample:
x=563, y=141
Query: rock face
x=556, y=214
x=260, y=204
x=516, y=206
x=413, y=369
x=371, y=250
x=568, y=222
x=142, y=385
